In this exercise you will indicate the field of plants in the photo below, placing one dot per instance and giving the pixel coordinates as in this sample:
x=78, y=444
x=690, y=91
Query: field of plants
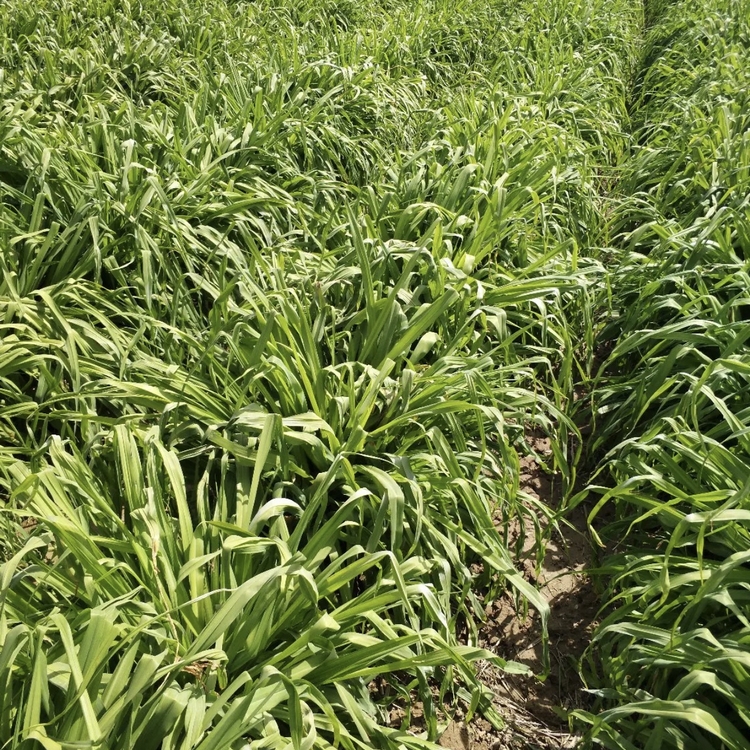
x=291, y=294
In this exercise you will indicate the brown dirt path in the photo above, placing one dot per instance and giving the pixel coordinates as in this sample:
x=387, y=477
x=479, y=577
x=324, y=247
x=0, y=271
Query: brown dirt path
x=533, y=710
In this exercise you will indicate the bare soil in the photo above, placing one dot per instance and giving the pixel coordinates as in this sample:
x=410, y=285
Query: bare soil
x=534, y=710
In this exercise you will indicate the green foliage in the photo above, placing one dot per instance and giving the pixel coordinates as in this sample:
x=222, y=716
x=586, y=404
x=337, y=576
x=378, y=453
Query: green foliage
x=283, y=287
x=670, y=659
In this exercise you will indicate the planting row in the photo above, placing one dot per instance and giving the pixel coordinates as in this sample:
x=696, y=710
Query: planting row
x=673, y=398
x=284, y=286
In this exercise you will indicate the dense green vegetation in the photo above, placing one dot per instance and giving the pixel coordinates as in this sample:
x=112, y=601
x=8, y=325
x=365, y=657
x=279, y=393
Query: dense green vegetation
x=284, y=287
x=673, y=397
